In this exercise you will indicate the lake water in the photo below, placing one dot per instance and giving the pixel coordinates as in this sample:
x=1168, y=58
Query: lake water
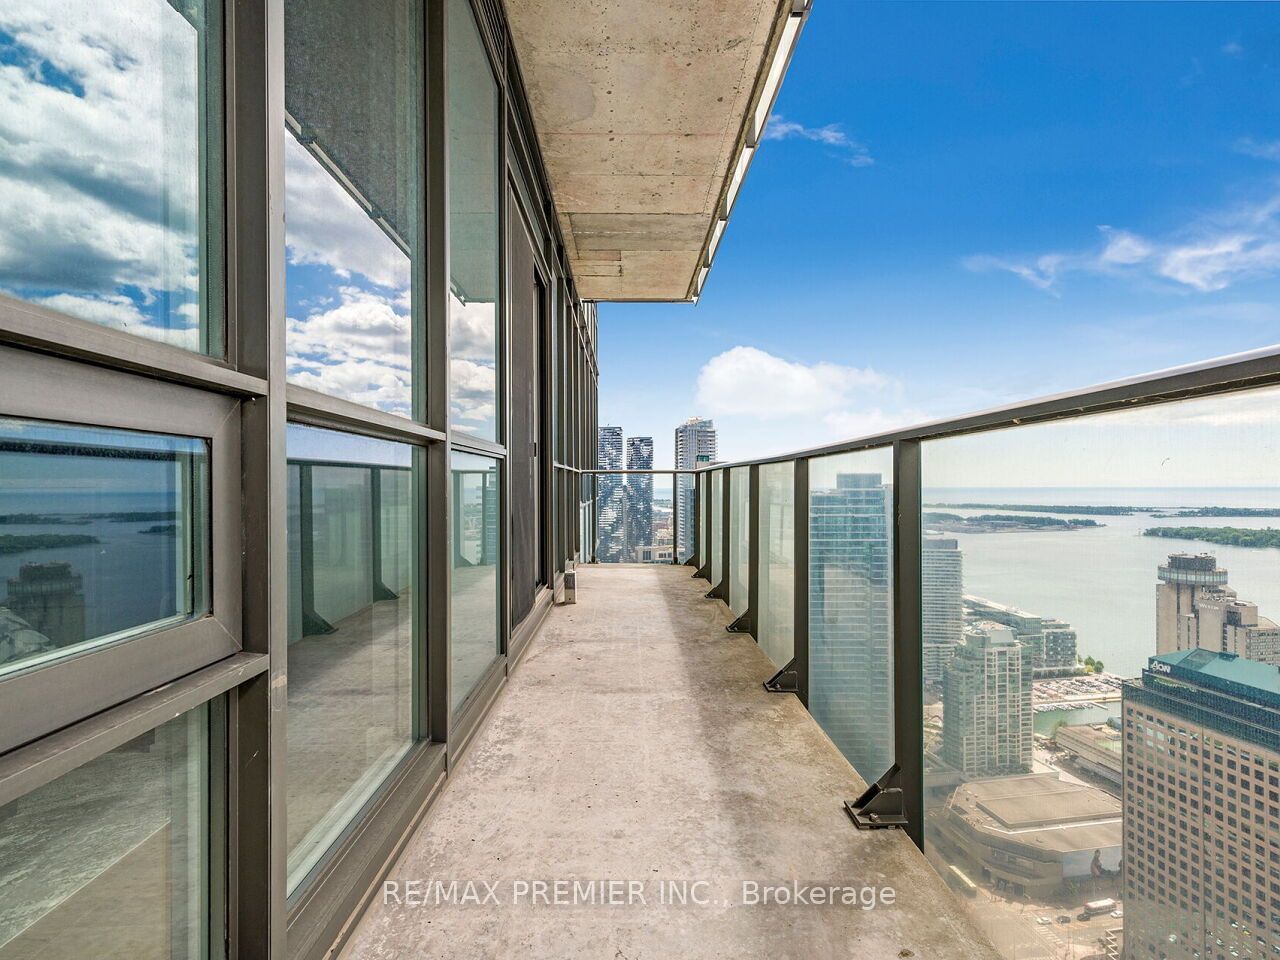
x=1103, y=580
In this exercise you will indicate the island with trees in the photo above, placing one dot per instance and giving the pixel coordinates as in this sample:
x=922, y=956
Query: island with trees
x=1227, y=536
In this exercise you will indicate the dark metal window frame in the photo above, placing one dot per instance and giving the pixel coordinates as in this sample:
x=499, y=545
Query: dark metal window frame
x=50, y=696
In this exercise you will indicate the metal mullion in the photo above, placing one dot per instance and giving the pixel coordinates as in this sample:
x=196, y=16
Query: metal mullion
x=800, y=591
x=321, y=410
x=257, y=842
x=470, y=444
x=40, y=328
x=439, y=541
x=31, y=767
x=908, y=630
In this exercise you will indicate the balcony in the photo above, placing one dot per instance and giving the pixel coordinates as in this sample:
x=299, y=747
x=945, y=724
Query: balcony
x=635, y=743
x=333, y=624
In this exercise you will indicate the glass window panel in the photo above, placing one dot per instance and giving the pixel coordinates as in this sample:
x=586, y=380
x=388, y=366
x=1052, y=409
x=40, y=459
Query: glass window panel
x=351, y=613
x=473, y=227
x=775, y=621
x=103, y=534
x=717, y=527
x=1115, y=660
x=477, y=507
x=739, y=538
x=352, y=177
x=111, y=189
x=851, y=605
x=113, y=860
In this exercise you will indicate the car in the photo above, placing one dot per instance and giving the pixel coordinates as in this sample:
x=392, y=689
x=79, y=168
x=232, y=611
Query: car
x=1064, y=918
x=1117, y=914
x=1043, y=920
x=1084, y=916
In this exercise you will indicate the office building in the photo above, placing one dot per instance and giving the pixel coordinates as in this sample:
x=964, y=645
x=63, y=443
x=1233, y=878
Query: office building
x=639, y=498
x=850, y=622
x=942, y=607
x=1196, y=608
x=1202, y=807
x=611, y=498
x=695, y=447
x=986, y=703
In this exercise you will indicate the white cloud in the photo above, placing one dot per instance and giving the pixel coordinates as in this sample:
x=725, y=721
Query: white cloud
x=99, y=165
x=358, y=350
x=1210, y=254
x=473, y=329
x=472, y=392
x=1232, y=49
x=747, y=380
x=831, y=135
x=1262, y=149
x=325, y=226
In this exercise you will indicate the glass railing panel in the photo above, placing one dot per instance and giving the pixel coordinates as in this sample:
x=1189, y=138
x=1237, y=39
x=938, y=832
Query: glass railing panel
x=684, y=516
x=634, y=517
x=775, y=620
x=851, y=605
x=739, y=538
x=716, y=526
x=1102, y=699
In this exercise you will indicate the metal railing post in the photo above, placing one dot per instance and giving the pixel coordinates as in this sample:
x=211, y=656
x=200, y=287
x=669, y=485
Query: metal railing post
x=800, y=592
x=908, y=629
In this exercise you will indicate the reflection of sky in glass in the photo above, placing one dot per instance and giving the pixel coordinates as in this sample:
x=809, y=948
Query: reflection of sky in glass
x=332, y=446
x=101, y=200
x=348, y=288
x=473, y=228
x=101, y=532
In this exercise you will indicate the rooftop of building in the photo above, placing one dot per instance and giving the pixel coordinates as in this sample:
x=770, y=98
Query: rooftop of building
x=976, y=601
x=1100, y=735
x=1213, y=665
x=1042, y=811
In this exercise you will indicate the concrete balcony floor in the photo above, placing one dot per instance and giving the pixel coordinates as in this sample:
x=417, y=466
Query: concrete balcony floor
x=635, y=743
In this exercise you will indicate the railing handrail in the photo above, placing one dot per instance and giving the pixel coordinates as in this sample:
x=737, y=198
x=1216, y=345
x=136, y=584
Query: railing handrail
x=1233, y=372
x=684, y=471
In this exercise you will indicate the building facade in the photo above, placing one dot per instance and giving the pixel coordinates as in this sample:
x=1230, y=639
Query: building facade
x=611, y=497
x=986, y=703
x=695, y=447
x=1196, y=608
x=639, y=498
x=1202, y=808
x=942, y=607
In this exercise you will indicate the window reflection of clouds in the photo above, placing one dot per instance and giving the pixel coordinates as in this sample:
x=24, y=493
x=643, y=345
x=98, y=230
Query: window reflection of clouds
x=349, y=293
x=110, y=230
x=473, y=227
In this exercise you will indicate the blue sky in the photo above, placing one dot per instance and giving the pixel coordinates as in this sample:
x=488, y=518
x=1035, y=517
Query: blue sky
x=963, y=205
